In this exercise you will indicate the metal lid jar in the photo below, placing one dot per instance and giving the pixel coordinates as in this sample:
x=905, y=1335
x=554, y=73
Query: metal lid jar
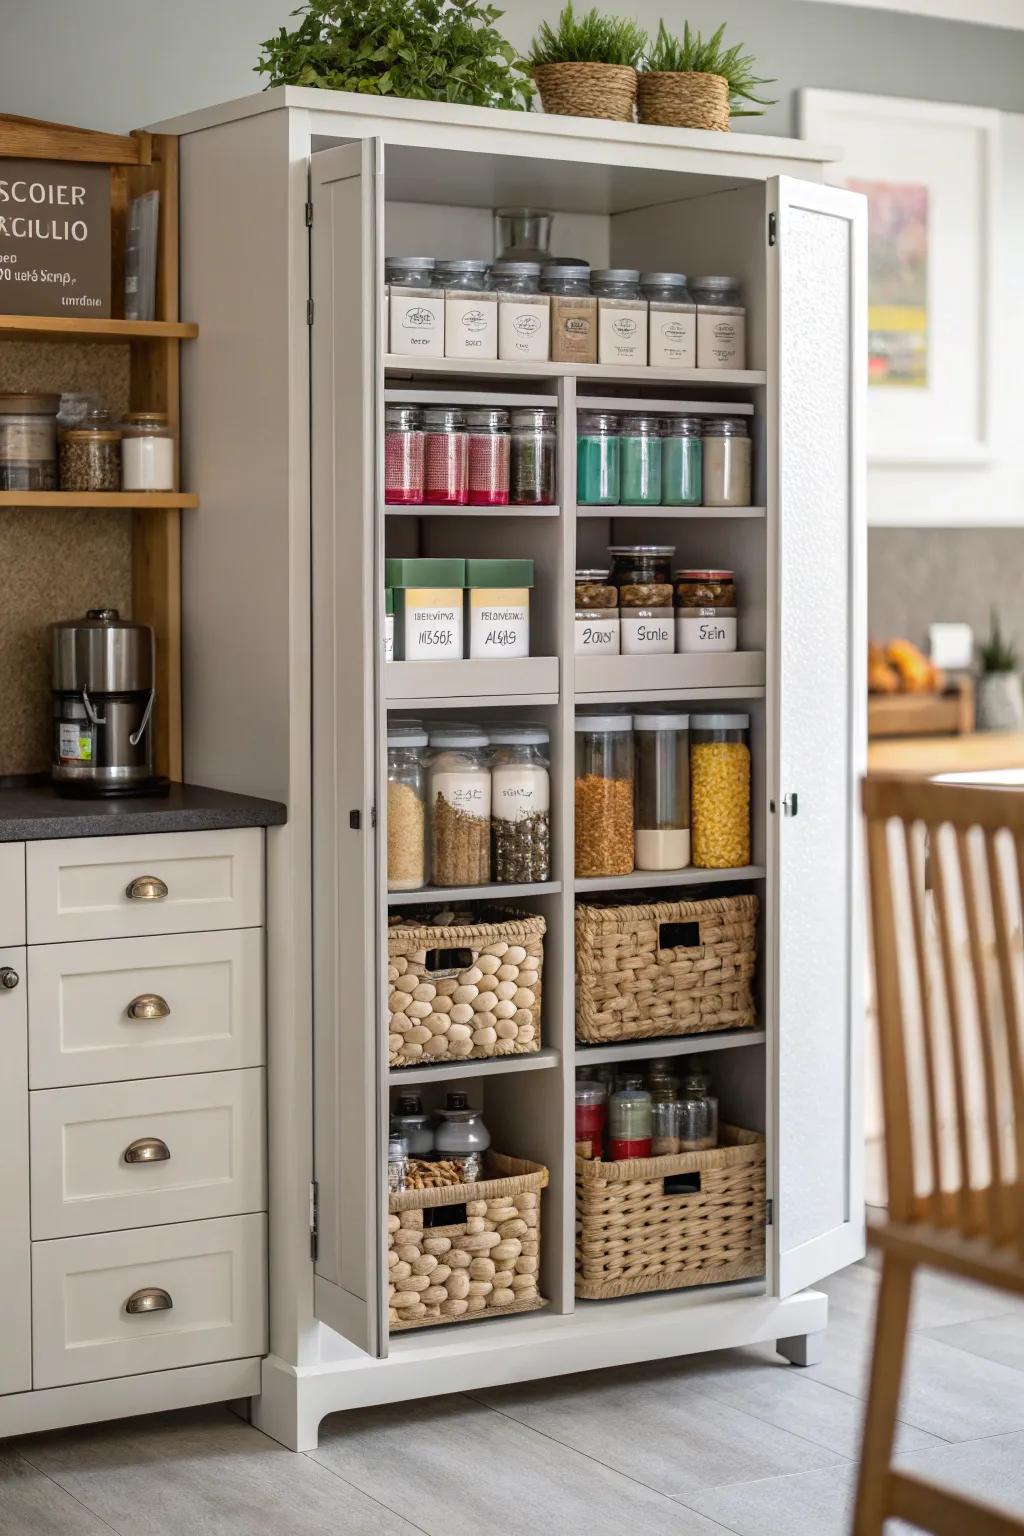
x=403, y=456
x=665, y=287
x=515, y=276
x=410, y=271
x=489, y=454
x=533, y=476
x=621, y=316
x=555, y=278
x=643, y=574
x=615, y=282
x=445, y=457
x=641, y=461
x=682, y=461
x=598, y=459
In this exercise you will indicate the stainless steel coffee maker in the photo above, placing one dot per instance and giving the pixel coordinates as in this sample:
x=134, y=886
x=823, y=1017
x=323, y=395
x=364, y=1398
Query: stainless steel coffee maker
x=103, y=697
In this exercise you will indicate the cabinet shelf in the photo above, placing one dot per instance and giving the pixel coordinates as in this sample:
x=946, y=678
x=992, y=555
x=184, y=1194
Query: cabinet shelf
x=712, y=674
x=443, y=895
x=678, y=1045
x=528, y=680
x=424, y=367
x=711, y=514
x=79, y=328
x=494, y=1066
x=643, y=879
x=130, y=500
x=494, y=513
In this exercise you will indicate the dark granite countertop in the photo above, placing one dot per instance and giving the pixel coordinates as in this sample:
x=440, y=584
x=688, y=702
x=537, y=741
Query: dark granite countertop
x=33, y=810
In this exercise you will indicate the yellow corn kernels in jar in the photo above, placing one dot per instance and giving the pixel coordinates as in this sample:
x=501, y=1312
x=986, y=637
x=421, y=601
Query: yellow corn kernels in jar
x=720, y=791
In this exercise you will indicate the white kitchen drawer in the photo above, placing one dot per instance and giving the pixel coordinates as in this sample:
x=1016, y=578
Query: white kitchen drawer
x=213, y=1273
x=138, y=1154
x=196, y=1001
x=12, y=894
x=184, y=882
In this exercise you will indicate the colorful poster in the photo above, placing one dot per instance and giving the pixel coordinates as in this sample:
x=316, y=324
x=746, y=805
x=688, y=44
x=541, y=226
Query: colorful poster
x=897, y=283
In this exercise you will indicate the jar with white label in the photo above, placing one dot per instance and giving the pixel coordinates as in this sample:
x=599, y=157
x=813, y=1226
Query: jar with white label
x=648, y=630
x=470, y=309
x=428, y=603
x=597, y=614
x=721, y=323
x=415, y=307
x=726, y=462
x=499, y=607
x=621, y=316
x=459, y=791
x=705, y=611
x=672, y=320
x=524, y=313
x=520, y=804
x=662, y=832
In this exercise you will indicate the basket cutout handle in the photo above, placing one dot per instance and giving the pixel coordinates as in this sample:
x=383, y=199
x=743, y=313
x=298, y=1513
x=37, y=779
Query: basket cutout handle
x=679, y=935
x=444, y=1215
x=682, y=1184
x=445, y=963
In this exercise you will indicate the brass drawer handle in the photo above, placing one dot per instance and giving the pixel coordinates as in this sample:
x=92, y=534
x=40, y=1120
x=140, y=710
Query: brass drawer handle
x=148, y=1005
x=146, y=888
x=9, y=978
x=147, y=1149
x=151, y=1299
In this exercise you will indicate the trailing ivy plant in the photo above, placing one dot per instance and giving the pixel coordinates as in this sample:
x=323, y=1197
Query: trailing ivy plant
x=690, y=53
x=588, y=39
x=430, y=50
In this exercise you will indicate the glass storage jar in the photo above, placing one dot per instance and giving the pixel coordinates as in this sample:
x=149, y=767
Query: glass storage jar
x=461, y=1137
x=720, y=791
x=520, y=804
x=629, y=1124
x=597, y=628
x=594, y=590
x=459, y=784
x=573, y=313
x=721, y=322
x=643, y=574
x=487, y=431
x=604, y=795
x=524, y=313
x=641, y=461
x=705, y=611
x=591, y=1117
x=662, y=1080
x=598, y=459
x=398, y=1156
x=403, y=456
x=621, y=316
x=90, y=455
x=662, y=836
x=681, y=462
x=409, y=1121
x=445, y=457
x=470, y=309
x=28, y=442
x=407, y=806
x=665, y=1114
x=726, y=462
x=415, y=307
x=534, y=447
x=672, y=322
x=149, y=451
x=698, y=1113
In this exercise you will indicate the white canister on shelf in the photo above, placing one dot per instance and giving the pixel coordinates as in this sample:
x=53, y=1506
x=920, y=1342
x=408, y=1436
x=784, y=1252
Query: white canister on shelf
x=524, y=313
x=672, y=323
x=415, y=307
x=721, y=323
x=621, y=317
x=149, y=452
x=647, y=631
x=470, y=310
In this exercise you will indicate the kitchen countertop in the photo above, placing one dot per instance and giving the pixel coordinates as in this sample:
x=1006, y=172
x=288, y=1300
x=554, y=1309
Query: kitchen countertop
x=973, y=752
x=33, y=810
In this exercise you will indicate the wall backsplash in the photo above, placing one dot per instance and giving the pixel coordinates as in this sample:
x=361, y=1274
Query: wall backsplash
x=919, y=576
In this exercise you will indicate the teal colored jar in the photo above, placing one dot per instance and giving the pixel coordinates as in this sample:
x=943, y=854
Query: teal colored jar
x=682, y=462
x=598, y=459
x=641, y=461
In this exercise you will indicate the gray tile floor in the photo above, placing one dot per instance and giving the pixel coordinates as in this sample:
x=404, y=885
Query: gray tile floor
x=735, y=1442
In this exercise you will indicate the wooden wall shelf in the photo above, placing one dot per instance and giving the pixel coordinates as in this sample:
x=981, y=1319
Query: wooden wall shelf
x=132, y=501
x=78, y=328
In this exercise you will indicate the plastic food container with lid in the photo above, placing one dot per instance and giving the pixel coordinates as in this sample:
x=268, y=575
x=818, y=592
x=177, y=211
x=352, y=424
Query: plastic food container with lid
x=409, y=1120
x=640, y=455
x=598, y=459
x=705, y=611
x=407, y=806
x=428, y=601
x=621, y=316
x=524, y=313
x=415, y=307
x=28, y=442
x=499, y=607
x=662, y=835
x=459, y=801
x=643, y=574
x=672, y=320
x=727, y=452
x=720, y=791
x=520, y=803
x=604, y=794
x=721, y=322
x=470, y=309
x=573, y=313
x=591, y=1116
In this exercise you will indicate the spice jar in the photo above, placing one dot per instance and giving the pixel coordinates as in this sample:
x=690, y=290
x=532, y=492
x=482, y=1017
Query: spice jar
x=488, y=437
x=462, y=1138
x=672, y=323
x=604, y=795
x=726, y=462
x=705, y=611
x=662, y=837
x=407, y=806
x=470, y=309
x=621, y=316
x=698, y=1113
x=398, y=1154
x=573, y=313
x=524, y=313
x=681, y=462
x=428, y=602
x=499, y=607
x=149, y=451
x=643, y=574
x=534, y=450
x=597, y=627
x=90, y=455
x=720, y=791
x=445, y=457
x=598, y=459
x=403, y=456
x=28, y=442
x=415, y=307
x=721, y=322
x=629, y=1124
x=460, y=806
x=662, y=1080
x=409, y=1122
x=665, y=1114
x=520, y=804
x=591, y=1117
x=641, y=461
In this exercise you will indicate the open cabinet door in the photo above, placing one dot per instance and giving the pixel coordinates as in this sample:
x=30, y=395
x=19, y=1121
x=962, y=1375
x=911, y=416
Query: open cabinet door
x=347, y=354
x=817, y=328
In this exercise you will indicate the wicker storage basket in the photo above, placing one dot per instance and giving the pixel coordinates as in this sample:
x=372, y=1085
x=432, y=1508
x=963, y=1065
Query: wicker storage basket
x=588, y=90
x=441, y=1006
x=482, y=1264
x=635, y=1232
x=679, y=99
x=638, y=980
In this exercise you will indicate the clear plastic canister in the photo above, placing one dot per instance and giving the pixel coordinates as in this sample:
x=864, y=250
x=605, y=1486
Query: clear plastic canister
x=726, y=467
x=460, y=806
x=407, y=807
x=662, y=833
x=604, y=795
x=720, y=791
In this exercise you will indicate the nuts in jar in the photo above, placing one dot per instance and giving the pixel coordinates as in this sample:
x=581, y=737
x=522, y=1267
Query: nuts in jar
x=705, y=611
x=705, y=589
x=643, y=574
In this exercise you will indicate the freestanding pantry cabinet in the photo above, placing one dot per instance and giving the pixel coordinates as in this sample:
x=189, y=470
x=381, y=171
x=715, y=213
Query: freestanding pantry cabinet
x=290, y=201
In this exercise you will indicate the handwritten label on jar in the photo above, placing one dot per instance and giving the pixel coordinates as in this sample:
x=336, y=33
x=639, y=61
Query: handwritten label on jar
x=622, y=331
x=519, y=791
x=596, y=634
x=498, y=629
x=705, y=629
x=417, y=321
x=721, y=337
x=647, y=631
x=524, y=327
x=433, y=632
x=673, y=334
x=470, y=325
x=469, y=792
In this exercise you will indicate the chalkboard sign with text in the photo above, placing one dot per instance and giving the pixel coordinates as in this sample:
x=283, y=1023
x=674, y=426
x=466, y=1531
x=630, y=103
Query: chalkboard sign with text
x=54, y=238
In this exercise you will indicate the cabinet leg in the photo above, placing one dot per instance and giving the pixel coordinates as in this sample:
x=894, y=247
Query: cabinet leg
x=802, y=1348
x=280, y=1411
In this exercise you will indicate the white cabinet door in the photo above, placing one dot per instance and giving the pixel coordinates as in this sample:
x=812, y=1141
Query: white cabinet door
x=817, y=344
x=349, y=913
x=15, y=1296
x=12, y=893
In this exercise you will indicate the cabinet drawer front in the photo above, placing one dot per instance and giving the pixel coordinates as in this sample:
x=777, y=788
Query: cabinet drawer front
x=182, y=882
x=12, y=894
x=213, y=1273
x=196, y=1005
x=139, y=1154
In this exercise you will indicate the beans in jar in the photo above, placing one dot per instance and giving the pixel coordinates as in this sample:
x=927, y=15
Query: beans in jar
x=593, y=590
x=719, y=791
x=705, y=589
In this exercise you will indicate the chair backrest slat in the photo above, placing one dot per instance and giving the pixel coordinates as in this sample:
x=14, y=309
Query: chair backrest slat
x=954, y=1014
x=926, y=992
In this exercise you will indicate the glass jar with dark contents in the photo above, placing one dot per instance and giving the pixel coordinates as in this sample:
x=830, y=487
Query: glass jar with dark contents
x=534, y=445
x=705, y=589
x=594, y=590
x=643, y=574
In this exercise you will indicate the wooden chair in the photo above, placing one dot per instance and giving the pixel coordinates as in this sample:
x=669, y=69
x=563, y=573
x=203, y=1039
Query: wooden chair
x=946, y=867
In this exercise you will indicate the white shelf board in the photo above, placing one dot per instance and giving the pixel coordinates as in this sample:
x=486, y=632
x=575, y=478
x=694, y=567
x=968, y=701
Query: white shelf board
x=709, y=514
x=425, y=367
x=679, y=1045
x=533, y=678
x=673, y=673
x=664, y=407
x=494, y=1066
x=644, y=879
x=706, y=696
x=444, y=895
x=443, y=394
x=491, y=513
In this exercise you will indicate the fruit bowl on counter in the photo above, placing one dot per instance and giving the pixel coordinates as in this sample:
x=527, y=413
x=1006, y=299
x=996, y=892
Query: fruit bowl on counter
x=909, y=696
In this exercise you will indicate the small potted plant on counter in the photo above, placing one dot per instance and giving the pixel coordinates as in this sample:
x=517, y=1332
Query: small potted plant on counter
x=689, y=83
x=1000, y=696
x=585, y=66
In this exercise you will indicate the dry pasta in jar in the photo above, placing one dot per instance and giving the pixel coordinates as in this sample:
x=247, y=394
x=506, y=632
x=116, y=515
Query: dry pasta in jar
x=720, y=791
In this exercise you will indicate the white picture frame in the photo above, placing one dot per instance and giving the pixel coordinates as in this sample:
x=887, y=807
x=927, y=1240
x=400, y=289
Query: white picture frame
x=940, y=161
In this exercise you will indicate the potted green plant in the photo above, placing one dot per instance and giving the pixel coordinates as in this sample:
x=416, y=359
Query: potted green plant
x=689, y=83
x=1000, y=698
x=585, y=66
x=430, y=50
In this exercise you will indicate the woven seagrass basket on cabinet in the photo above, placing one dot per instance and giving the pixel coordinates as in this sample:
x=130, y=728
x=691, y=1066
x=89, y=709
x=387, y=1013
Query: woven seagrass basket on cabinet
x=667, y=968
x=684, y=99
x=587, y=90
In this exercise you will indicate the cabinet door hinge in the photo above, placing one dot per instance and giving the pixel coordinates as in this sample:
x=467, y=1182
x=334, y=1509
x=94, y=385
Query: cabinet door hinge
x=309, y=215
x=769, y=1212
x=314, y=1220
x=773, y=229
x=309, y=311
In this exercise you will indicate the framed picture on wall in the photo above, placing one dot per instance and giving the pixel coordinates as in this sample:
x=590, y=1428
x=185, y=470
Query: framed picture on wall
x=928, y=171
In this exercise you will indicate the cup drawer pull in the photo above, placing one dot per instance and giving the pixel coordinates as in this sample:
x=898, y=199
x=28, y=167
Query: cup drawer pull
x=150, y=1299
x=147, y=1149
x=146, y=888
x=148, y=1005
